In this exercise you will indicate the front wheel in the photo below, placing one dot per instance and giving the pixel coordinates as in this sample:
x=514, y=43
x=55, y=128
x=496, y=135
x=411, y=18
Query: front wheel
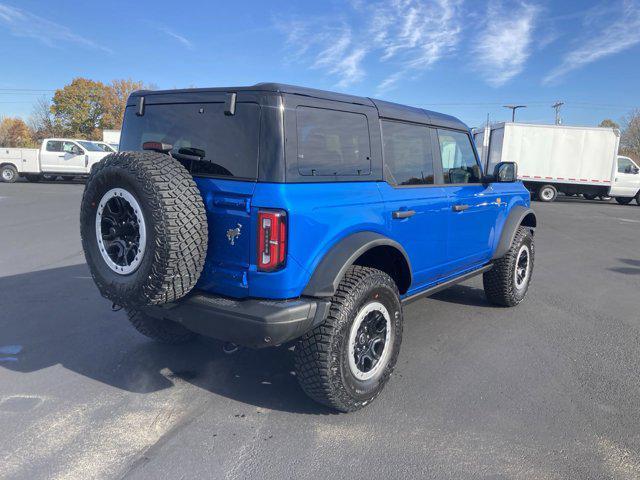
x=346, y=361
x=507, y=283
x=8, y=173
x=624, y=200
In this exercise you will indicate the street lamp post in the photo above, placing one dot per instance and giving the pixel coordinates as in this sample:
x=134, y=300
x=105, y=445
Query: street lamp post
x=513, y=110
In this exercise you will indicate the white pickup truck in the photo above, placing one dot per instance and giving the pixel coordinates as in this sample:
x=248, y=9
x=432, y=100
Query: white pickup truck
x=56, y=157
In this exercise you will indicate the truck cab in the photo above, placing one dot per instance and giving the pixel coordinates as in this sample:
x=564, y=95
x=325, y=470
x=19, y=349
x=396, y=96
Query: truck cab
x=56, y=156
x=69, y=156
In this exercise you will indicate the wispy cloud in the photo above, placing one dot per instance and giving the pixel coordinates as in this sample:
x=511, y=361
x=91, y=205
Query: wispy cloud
x=609, y=38
x=415, y=33
x=176, y=36
x=506, y=41
x=409, y=35
x=25, y=24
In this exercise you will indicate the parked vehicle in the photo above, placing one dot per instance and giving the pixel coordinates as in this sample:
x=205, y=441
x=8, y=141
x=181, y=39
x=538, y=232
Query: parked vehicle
x=105, y=147
x=272, y=214
x=56, y=157
x=559, y=158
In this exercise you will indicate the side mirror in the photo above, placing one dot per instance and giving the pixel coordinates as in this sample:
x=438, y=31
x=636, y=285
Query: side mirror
x=635, y=170
x=505, y=172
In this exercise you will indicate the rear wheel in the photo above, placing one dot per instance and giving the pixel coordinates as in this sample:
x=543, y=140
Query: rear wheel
x=624, y=200
x=144, y=229
x=547, y=193
x=8, y=173
x=160, y=329
x=507, y=283
x=346, y=361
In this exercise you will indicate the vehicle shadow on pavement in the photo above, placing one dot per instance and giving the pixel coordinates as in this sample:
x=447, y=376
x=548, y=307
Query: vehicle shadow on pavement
x=463, y=295
x=57, y=316
x=632, y=269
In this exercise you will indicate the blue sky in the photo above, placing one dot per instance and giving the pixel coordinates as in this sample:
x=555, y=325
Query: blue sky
x=459, y=57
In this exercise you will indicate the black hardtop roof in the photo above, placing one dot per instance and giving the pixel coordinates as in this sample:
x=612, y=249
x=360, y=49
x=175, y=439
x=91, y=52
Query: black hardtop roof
x=385, y=109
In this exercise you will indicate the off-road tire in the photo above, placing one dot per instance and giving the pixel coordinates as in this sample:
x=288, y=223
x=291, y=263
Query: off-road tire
x=547, y=193
x=8, y=174
x=176, y=228
x=160, y=329
x=33, y=177
x=624, y=200
x=499, y=282
x=322, y=355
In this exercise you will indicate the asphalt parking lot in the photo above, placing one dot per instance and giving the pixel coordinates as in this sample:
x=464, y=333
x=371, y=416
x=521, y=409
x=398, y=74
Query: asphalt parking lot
x=550, y=389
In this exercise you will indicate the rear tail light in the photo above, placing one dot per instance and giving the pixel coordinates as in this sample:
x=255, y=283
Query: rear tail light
x=272, y=240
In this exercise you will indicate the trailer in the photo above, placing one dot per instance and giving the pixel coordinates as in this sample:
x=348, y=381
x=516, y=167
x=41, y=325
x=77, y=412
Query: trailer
x=559, y=158
x=64, y=157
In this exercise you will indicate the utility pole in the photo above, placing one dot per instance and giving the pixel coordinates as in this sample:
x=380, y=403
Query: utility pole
x=513, y=110
x=557, y=106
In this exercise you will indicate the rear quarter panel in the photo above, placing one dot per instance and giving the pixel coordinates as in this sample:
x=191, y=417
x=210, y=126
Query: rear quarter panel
x=319, y=216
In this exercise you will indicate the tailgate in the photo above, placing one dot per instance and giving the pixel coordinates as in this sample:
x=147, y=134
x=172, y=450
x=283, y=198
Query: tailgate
x=228, y=205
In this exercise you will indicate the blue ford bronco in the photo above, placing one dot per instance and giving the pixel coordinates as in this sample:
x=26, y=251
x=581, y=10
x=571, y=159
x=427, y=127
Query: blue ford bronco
x=271, y=214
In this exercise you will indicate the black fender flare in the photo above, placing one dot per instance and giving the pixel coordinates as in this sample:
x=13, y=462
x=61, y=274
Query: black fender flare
x=518, y=215
x=327, y=275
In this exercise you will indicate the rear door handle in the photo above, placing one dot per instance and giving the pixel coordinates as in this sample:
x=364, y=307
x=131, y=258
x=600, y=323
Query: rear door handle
x=400, y=214
x=460, y=208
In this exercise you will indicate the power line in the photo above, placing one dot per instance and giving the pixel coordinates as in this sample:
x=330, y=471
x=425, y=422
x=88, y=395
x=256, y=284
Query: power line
x=26, y=90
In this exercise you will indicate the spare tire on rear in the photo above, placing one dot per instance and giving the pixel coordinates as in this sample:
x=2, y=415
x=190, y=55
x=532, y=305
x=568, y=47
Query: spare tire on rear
x=144, y=228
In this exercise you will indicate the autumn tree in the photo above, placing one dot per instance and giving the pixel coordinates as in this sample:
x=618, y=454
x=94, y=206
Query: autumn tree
x=42, y=122
x=85, y=107
x=79, y=107
x=608, y=123
x=630, y=139
x=116, y=101
x=15, y=133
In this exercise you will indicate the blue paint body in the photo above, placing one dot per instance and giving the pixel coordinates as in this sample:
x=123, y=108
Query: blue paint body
x=440, y=243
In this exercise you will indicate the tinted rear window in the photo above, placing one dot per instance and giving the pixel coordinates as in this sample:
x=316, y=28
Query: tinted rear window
x=331, y=142
x=204, y=139
x=408, y=158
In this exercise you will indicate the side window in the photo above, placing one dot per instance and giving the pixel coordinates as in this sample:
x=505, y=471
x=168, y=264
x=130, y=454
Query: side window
x=459, y=163
x=408, y=159
x=54, y=146
x=331, y=142
x=68, y=147
x=625, y=165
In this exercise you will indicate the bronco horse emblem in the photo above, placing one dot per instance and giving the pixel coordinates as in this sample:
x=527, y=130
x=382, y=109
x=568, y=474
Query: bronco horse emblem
x=232, y=233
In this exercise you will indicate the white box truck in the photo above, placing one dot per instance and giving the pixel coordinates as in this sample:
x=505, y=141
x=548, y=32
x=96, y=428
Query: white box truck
x=559, y=158
x=56, y=157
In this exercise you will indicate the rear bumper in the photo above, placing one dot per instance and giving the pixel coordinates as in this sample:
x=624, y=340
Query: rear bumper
x=252, y=322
